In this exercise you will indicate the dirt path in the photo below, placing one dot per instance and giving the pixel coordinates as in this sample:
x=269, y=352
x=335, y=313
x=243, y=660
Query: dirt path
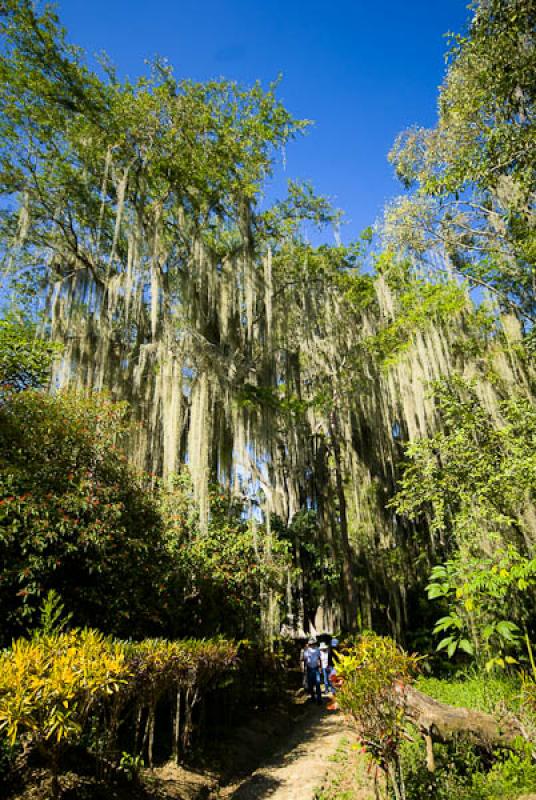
x=299, y=766
x=283, y=754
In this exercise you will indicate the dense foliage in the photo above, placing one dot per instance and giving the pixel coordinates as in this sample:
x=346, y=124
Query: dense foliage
x=25, y=359
x=61, y=689
x=475, y=481
x=75, y=517
x=374, y=673
x=218, y=578
x=477, y=475
x=124, y=552
x=288, y=428
x=474, y=172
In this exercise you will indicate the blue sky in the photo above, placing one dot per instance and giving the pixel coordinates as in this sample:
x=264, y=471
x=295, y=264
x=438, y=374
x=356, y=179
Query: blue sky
x=361, y=70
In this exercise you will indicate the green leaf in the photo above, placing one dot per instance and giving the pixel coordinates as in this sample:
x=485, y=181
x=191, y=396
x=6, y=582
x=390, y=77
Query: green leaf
x=439, y=572
x=451, y=649
x=507, y=630
x=488, y=631
x=444, y=623
x=445, y=643
x=494, y=662
x=466, y=646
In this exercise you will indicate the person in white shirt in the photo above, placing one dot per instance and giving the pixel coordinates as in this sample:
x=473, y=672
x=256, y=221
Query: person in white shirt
x=312, y=667
x=325, y=668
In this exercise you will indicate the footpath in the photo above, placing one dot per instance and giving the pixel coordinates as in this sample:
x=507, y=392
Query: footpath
x=299, y=767
x=305, y=756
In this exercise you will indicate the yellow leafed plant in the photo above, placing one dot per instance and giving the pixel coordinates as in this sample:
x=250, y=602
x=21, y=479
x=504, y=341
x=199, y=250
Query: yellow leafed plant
x=49, y=684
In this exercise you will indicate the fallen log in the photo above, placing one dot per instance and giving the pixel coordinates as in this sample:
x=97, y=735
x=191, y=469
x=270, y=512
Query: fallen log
x=440, y=722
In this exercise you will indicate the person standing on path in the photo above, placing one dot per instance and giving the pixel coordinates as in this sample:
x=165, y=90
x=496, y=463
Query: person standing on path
x=311, y=665
x=325, y=667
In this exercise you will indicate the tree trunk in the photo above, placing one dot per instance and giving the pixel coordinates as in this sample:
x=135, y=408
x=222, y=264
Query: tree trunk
x=442, y=722
x=177, y=729
x=150, y=745
x=191, y=699
x=138, y=747
x=349, y=605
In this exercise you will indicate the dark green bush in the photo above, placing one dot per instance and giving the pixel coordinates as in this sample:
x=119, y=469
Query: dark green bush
x=7, y=758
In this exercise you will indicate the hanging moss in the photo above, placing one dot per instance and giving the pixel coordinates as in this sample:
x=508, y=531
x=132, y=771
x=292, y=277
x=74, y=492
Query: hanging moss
x=280, y=369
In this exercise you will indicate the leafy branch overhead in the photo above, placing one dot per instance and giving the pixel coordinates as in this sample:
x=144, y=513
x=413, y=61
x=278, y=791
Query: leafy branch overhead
x=473, y=174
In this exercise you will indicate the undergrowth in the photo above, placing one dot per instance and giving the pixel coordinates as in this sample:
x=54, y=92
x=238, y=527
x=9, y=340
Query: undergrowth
x=463, y=771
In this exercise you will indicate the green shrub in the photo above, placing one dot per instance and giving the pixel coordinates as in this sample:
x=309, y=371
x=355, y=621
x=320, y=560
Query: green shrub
x=25, y=359
x=462, y=774
x=512, y=775
x=373, y=672
x=7, y=757
x=455, y=764
x=75, y=518
x=480, y=692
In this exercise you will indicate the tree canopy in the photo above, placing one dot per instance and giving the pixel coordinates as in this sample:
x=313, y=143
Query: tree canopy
x=270, y=384
x=473, y=172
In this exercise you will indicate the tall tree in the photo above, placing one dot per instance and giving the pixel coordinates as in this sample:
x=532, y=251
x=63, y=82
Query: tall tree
x=474, y=173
